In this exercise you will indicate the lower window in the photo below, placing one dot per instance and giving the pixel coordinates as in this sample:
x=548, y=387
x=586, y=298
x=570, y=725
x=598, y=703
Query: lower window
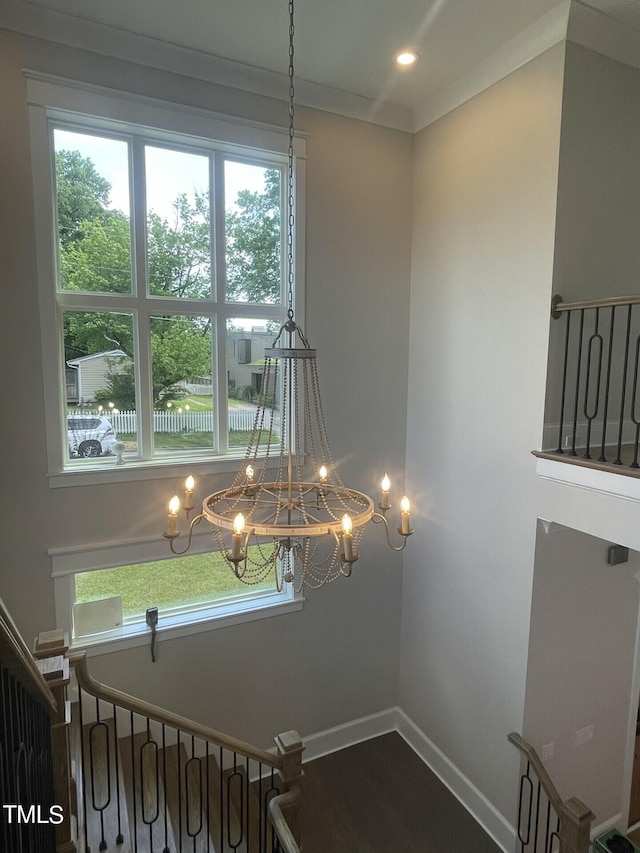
x=191, y=593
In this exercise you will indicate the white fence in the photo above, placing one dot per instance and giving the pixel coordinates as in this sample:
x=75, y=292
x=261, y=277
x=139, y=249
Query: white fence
x=174, y=421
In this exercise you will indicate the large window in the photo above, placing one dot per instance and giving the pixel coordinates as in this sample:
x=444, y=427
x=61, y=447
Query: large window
x=161, y=258
x=166, y=253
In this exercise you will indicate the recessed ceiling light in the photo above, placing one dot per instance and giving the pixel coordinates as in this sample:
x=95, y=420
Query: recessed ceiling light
x=406, y=58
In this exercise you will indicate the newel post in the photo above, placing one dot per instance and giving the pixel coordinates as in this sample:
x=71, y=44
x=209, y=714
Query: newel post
x=290, y=748
x=50, y=655
x=575, y=829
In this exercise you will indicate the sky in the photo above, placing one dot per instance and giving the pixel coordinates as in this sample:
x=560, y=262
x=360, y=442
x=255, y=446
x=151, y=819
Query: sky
x=168, y=172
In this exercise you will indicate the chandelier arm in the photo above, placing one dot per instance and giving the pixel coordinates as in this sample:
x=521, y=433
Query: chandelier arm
x=171, y=537
x=378, y=518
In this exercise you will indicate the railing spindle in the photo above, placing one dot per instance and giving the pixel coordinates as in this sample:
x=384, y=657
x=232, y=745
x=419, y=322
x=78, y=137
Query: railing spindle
x=82, y=760
x=634, y=416
x=623, y=390
x=602, y=457
x=577, y=387
x=591, y=414
x=133, y=777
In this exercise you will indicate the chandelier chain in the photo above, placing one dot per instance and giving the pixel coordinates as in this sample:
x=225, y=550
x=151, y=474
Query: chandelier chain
x=290, y=198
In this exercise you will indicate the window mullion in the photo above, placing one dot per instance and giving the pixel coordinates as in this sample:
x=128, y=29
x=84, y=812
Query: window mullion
x=142, y=343
x=220, y=337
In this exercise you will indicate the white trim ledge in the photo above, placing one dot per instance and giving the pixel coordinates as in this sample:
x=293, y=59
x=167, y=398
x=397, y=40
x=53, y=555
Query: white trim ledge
x=604, y=482
x=394, y=719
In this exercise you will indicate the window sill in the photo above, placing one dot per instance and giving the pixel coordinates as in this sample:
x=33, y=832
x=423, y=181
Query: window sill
x=183, y=625
x=108, y=471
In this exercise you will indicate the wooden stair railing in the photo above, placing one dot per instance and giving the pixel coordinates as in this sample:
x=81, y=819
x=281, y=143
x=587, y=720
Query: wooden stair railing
x=156, y=781
x=34, y=771
x=543, y=816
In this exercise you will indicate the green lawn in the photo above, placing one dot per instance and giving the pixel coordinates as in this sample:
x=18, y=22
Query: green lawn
x=167, y=583
x=172, y=440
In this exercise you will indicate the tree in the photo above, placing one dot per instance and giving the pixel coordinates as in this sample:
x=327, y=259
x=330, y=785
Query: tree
x=83, y=194
x=96, y=257
x=179, y=254
x=181, y=348
x=253, y=244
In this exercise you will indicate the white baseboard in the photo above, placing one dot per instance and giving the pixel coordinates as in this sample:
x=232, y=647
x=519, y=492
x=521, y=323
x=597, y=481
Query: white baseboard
x=615, y=822
x=395, y=720
x=349, y=734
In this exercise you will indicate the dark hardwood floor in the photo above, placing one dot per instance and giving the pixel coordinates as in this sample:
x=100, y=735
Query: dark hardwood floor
x=380, y=797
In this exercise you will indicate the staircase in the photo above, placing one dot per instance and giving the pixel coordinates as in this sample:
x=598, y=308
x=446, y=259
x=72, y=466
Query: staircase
x=120, y=774
x=148, y=781
x=160, y=789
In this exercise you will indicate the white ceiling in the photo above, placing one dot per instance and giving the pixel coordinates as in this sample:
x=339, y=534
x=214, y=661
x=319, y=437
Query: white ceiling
x=342, y=45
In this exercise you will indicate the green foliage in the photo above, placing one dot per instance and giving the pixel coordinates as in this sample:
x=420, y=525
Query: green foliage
x=83, y=194
x=165, y=583
x=120, y=390
x=99, y=262
x=181, y=348
x=95, y=257
x=179, y=254
x=246, y=393
x=253, y=244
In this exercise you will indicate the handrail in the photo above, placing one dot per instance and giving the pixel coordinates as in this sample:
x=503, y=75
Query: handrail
x=558, y=306
x=160, y=715
x=545, y=780
x=575, y=818
x=279, y=822
x=14, y=651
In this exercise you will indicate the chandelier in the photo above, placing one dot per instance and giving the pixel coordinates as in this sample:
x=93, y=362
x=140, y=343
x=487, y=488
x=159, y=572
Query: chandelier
x=276, y=517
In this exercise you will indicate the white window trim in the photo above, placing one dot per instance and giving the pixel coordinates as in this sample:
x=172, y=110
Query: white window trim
x=54, y=97
x=67, y=562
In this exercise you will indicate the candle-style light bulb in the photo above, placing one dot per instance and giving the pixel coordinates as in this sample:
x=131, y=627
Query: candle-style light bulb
x=347, y=538
x=174, y=508
x=236, y=539
x=385, y=487
x=405, y=518
x=189, y=485
x=249, y=473
x=322, y=474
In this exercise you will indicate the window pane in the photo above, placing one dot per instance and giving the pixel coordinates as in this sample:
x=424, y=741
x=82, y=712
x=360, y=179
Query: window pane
x=246, y=342
x=252, y=233
x=181, y=348
x=100, y=382
x=178, y=224
x=167, y=584
x=94, y=233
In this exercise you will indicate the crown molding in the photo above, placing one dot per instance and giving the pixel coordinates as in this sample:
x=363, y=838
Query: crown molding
x=600, y=33
x=570, y=20
x=547, y=31
x=52, y=25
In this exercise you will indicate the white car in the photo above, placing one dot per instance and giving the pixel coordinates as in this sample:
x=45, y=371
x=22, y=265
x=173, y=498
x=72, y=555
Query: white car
x=90, y=436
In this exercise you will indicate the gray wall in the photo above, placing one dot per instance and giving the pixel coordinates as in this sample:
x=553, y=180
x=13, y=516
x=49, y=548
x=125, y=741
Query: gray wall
x=584, y=613
x=584, y=617
x=334, y=661
x=598, y=216
x=485, y=193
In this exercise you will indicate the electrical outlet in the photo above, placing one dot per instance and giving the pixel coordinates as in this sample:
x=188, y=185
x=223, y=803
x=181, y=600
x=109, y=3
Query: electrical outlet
x=547, y=751
x=584, y=735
